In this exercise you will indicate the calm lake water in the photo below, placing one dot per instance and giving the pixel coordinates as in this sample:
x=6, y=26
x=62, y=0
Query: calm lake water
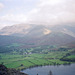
x=56, y=70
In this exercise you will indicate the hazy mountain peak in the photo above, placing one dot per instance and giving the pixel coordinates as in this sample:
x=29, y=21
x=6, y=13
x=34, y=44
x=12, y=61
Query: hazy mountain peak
x=47, y=31
x=33, y=30
x=66, y=31
x=21, y=29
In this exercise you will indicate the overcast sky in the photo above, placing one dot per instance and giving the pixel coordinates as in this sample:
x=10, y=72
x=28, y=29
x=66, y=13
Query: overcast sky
x=36, y=11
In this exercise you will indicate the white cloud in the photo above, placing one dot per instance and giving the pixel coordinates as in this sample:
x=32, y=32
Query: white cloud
x=53, y=12
x=13, y=18
x=3, y=25
x=45, y=12
x=1, y=5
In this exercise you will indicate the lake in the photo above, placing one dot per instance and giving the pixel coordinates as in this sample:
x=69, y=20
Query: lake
x=56, y=70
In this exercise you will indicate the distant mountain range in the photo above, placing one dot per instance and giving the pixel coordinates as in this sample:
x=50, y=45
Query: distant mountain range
x=35, y=35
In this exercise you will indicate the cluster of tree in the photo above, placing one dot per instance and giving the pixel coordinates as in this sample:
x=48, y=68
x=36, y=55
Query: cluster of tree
x=5, y=49
x=68, y=59
x=64, y=58
x=50, y=73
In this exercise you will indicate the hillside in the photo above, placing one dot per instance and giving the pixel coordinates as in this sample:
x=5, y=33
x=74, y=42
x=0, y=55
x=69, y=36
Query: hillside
x=6, y=71
x=35, y=35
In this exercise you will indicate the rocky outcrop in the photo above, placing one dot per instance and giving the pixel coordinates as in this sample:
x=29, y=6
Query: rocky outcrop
x=5, y=71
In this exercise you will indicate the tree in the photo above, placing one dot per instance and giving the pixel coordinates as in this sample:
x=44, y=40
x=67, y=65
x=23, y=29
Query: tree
x=0, y=57
x=50, y=73
x=2, y=63
x=21, y=64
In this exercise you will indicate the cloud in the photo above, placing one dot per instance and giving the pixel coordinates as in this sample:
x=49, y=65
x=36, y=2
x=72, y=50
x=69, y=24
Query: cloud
x=12, y=19
x=17, y=18
x=1, y=5
x=53, y=12
x=50, y=12
x=3, y=25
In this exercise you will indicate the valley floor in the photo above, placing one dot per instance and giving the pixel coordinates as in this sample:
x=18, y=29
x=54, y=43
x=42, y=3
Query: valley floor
x=25, y=61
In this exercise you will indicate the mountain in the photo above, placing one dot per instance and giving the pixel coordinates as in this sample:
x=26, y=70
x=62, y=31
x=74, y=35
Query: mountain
x=56, y=39
x=31, y=35
x=15, y=30
x=65, y=28
x=39, y=31
x=22, y=30
x=71, y=44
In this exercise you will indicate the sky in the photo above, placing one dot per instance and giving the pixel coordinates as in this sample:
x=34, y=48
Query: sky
x=51, y=12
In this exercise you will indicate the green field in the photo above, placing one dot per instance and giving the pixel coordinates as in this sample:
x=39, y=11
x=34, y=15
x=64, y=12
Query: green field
x=71, y=57
x=26, y=58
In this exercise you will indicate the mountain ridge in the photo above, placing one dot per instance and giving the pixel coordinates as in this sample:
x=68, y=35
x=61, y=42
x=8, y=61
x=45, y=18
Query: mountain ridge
x=36, y=35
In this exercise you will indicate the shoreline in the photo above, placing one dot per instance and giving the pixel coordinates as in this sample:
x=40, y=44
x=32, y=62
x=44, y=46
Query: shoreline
x=44, y=70
x=46, y=65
